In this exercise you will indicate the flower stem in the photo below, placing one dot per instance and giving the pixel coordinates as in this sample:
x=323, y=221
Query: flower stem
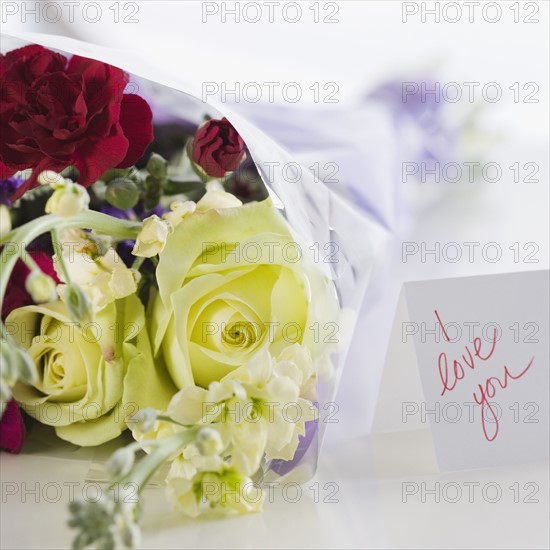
x=30, y=262
x=14, y=242
x=58, y=250
x=166, y=418
x=165, y=448
x=138, y=262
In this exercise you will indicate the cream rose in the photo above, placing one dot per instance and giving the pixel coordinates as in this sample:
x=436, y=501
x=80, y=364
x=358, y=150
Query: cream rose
x=231, y=281
x=91, y=379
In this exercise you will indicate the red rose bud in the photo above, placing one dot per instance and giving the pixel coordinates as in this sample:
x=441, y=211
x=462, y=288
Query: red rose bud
x=56, y=114
x=217, y=148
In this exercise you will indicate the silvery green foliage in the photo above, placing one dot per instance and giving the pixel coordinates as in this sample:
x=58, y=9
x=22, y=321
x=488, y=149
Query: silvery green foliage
x=105, y=524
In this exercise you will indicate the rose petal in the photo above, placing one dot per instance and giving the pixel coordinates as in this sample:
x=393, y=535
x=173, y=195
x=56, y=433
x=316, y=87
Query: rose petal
x=21, y=53
x=6, y=171
x=91, y=69
x=94, y=158
x=136, y=121
x=12, y=429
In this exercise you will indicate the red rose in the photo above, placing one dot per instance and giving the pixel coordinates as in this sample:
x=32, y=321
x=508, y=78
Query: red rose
x=218, y=148
x=57, y=114
x=16, y=293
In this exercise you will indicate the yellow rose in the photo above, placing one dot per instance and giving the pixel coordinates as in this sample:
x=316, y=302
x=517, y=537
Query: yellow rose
x=92, y=378
x=231, y=281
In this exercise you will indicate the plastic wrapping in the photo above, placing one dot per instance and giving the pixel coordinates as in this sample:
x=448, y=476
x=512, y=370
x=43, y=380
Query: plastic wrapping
x=333, y=236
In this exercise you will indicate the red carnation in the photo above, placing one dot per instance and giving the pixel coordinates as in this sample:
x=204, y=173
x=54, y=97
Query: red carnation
x=55, y=114
x=12, y=428
x=218, y=148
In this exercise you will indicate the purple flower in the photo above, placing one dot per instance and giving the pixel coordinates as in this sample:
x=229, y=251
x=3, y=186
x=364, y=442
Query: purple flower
x=8, y=188
x=106, y=208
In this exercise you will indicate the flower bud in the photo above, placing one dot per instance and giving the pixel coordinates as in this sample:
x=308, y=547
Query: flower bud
x=53, y=179
x=15, y=364
x=216, y=199
x=68, y=199
x=144, y=420
x=41, y=287
x=152, y=238
x=178, y=211
x=217, y=148
x=120, y=463
x=78, y=303
x=131, y=535
x=26, y=367
x=209, y=442
x=152, y=192
x=157, y=166
x=122, y=193
x=5, y=220
x=8, y=369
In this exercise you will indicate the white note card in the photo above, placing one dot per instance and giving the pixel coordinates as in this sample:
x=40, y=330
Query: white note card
x=482, y=348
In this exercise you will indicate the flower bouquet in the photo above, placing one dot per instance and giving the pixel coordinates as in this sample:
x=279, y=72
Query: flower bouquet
x=161, y=281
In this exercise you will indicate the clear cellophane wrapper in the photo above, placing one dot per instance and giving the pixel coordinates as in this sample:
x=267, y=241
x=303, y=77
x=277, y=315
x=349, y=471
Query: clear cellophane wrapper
x=334, y=238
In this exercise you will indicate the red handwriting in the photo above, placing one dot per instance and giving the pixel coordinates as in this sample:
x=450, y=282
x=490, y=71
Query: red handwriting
x=487, y=390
